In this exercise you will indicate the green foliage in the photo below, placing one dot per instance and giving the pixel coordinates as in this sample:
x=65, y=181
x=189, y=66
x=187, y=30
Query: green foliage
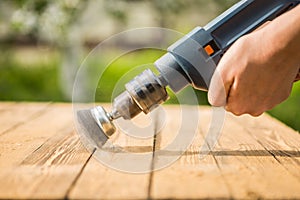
x=19, y=82
x=289, y=111
x=29, y=83
x=52, y=21
x=170, y=6
x=123, y=69
x=117, y=10
x=45, y=20
x=225, y=4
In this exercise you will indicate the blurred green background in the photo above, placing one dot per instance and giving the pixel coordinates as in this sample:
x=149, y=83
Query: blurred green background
x=44, y=42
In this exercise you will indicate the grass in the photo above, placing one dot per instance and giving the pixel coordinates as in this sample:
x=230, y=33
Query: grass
x=123, y=69
x=289, y=111
x=41, y=82
x=30, y=83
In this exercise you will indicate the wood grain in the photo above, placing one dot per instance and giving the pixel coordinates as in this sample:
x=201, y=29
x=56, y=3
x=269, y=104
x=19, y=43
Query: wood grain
x=190, y=177
x=280, y=141
x=41, y=157
x=98, y=181
x=13, y=115
x=250, y=170
x=21, y=141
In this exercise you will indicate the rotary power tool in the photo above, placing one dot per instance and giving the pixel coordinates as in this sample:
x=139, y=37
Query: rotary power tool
x=191, y=60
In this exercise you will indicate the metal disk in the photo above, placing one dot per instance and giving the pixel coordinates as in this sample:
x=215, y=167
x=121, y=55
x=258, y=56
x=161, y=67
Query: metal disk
x=103, y=120
x=90, y=132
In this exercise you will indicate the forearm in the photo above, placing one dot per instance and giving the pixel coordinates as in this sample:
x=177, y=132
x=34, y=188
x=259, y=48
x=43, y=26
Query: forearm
x=284, y=33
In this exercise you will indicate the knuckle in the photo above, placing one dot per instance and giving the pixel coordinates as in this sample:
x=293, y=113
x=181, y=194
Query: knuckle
x=256, y=113
x=237, y=113
x=241, y=110
x=234, y=110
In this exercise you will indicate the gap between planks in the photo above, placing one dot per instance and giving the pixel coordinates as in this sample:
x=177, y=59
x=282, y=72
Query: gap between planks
x=30, y=170
x=288, y=158
x=246, y=129
x=178, y=173
x=156, y=144
x=156, y=132
x=99, y=181
x=250, y=158
x=78, y=176
x=152, y=164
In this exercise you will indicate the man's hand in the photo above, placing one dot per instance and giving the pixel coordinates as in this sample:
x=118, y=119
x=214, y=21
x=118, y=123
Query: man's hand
x=258, y=71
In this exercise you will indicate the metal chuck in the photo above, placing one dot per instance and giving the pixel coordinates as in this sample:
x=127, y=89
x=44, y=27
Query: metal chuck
x=143, y=94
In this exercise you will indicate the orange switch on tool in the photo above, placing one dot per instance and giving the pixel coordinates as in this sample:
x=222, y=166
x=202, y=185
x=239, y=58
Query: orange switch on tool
x=209, y=50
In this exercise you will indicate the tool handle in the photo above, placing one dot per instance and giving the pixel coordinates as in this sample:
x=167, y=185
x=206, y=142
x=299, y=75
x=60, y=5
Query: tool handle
x=197, y=55
x=243, y=18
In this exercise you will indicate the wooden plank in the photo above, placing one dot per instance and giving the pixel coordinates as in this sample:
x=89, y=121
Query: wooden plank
x=6, y=105
x=41, y=158
x=130, y=140
x=250, y=170
x=48, y=172
x=99, y=181
x=277, y=138
x=13, y=115
x=190, y=177
x=24, y=139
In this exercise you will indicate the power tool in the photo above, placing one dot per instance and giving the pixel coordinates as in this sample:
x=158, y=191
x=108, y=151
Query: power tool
x=191, y=60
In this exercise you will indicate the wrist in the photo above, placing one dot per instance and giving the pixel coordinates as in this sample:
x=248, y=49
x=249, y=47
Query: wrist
x=280, y=39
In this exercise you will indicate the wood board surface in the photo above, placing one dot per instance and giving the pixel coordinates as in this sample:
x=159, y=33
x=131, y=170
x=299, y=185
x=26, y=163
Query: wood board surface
x=42, y=157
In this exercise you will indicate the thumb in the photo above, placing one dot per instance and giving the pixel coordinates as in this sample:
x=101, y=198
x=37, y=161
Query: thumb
x=219, y=88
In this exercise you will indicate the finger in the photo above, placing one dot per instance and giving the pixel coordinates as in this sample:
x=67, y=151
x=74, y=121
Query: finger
x=219, y=88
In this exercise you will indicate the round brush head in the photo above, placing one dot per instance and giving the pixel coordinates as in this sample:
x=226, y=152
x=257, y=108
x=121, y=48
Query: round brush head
x=103, y=120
